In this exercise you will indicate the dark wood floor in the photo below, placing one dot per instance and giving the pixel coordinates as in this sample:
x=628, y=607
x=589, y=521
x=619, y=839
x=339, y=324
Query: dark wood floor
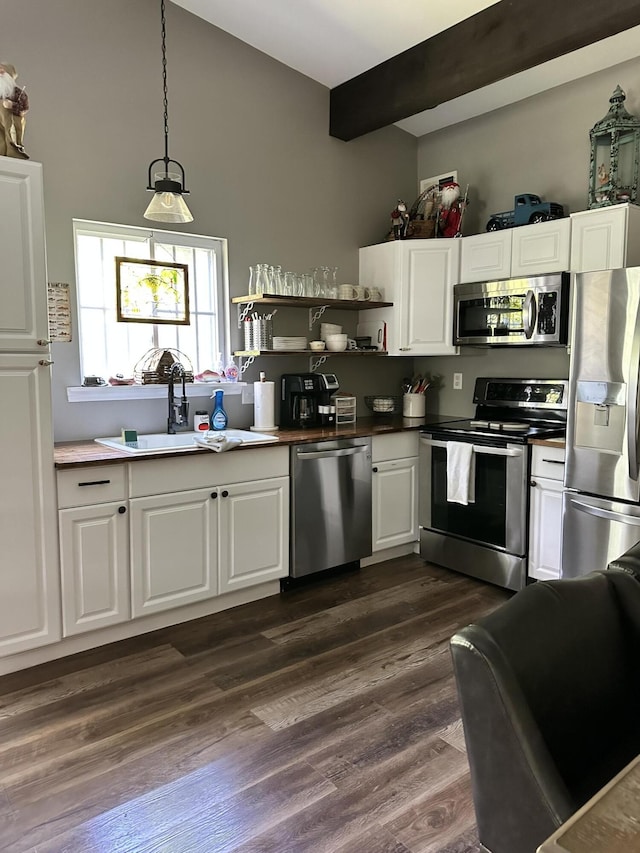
x=323, y=720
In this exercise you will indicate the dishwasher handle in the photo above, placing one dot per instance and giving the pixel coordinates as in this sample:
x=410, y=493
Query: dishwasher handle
x=331, y=454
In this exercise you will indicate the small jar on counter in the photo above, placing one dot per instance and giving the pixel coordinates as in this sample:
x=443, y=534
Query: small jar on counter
x=201, y=421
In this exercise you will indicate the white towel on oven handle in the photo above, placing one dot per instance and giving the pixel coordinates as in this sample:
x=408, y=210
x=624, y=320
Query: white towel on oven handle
x=461, y=473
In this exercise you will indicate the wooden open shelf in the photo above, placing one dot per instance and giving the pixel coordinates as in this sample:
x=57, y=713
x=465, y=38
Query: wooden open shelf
x=259, y=353
x=310, y=302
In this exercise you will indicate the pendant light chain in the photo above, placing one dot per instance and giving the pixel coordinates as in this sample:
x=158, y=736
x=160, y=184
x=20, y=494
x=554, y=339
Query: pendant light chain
x=164, y=88
x=168, y=204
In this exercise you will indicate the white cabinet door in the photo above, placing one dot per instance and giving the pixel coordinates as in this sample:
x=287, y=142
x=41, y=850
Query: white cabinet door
x=605, y=238
x=23, y=318
x=429, y=271
x=94, y=551
x=541, y=248
x=418, y=277
x=254, y=533
x=174, y=549
x=486, y=257
x=29, y=570
x=395, y=503
x=545, y=529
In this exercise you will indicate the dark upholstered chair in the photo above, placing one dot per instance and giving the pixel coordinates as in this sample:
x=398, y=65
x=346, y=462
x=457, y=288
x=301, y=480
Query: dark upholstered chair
x=549, y=688
x=628, y=562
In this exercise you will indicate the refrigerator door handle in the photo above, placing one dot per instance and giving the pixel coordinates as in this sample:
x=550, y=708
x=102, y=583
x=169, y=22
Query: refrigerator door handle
x=609, y=514
x=632, y=402
x=530, y=310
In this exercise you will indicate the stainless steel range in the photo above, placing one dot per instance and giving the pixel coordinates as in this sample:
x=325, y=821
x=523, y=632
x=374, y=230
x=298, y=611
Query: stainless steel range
x=474, y=478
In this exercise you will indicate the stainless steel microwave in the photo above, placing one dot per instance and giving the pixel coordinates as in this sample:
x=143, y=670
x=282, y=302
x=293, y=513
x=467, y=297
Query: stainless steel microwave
x=525, y=311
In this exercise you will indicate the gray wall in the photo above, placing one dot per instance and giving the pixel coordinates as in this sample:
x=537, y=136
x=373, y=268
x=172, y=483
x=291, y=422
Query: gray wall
x=538, y=145
x=252, y=135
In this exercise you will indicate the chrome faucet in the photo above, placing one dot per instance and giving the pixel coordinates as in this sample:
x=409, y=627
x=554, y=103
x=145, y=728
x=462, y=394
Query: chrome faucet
x=178, y=409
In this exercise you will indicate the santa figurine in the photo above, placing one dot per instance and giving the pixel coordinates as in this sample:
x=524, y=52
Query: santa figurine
x=14, y=105
x=400, y=220
x=450, y=210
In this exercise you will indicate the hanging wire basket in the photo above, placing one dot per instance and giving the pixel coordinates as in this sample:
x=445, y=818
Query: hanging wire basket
x=155, y=365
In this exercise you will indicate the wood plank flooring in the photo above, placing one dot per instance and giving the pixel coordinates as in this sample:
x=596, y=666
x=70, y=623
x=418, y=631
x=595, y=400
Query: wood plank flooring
x=322, y=720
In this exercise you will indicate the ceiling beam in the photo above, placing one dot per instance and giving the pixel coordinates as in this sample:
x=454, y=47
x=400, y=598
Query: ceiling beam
x=502, y=40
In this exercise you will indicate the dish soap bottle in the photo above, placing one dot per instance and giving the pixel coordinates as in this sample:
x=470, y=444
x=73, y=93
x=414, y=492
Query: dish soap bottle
x=231, y=371
x=219, y=419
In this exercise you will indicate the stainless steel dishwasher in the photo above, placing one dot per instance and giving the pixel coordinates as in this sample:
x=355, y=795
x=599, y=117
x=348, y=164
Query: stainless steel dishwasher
x=330, y=504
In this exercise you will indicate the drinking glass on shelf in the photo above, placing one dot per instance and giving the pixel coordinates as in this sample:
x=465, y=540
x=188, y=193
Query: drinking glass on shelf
x=253, y=279
x=270, y=280
x=278, y=281
x=289, y=286
x=262, y=279
x=309, y=286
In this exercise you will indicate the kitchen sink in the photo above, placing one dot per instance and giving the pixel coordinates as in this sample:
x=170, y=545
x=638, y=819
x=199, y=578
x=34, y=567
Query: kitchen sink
x=155, y=442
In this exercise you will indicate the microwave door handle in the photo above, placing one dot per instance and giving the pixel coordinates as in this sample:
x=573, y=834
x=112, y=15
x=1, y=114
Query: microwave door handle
x=632, y=401
x=530, y=310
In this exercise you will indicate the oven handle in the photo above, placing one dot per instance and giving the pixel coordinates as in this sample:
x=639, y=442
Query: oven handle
x=478, y=448
x=530, y=308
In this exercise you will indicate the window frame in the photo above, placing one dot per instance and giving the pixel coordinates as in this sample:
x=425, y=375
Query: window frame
x=134, y=233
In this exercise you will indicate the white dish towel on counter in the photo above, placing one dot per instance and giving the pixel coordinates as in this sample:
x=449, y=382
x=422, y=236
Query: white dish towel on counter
x=219, y=442
x=461, y=473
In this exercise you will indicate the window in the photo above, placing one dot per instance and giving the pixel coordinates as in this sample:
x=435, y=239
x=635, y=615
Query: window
x=108, y=347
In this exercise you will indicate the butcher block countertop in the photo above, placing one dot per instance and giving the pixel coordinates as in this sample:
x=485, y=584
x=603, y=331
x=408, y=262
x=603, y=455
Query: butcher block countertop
x=74, y=454
x=549, y=442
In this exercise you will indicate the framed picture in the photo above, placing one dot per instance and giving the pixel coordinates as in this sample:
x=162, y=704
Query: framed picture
x=439, y=181
x=149, y=291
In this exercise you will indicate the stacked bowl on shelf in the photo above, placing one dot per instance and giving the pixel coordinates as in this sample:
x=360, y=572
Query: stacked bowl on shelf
x=329, y=329
x=336, y=343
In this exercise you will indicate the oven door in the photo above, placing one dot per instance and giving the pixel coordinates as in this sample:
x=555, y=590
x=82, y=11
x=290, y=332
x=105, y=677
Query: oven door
x=518, y=311
x=498, y=517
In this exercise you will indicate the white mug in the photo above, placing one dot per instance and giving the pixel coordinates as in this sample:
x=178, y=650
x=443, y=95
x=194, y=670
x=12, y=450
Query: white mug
x=362, y=292
x=376, y=294
x=348, y=291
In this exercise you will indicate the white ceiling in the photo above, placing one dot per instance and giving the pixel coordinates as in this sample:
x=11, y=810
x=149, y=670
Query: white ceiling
x=334, y=40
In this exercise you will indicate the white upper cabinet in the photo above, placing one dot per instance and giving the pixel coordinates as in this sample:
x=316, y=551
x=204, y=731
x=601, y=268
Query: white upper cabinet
x=23, y=319
x=418, y=277
x=527, y=250
x=486, y=257
x=605, y=238
x=541, y=248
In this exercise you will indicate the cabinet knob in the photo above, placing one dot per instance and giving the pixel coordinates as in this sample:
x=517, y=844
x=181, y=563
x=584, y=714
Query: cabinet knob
x=44, y=363
x=404, y=349
x=214, y=495
x=225, y=494
x=42, y=342
x=122, y=510
x=375, y=470
x=532, y=483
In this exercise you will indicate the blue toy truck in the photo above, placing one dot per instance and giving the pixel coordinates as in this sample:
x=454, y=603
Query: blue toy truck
x=527, y=209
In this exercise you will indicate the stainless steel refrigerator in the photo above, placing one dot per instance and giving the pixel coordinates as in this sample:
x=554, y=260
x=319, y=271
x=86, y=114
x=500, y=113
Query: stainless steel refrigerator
x=602, y=484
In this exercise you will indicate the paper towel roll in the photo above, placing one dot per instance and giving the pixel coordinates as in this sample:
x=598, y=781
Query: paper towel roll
x=264, y=404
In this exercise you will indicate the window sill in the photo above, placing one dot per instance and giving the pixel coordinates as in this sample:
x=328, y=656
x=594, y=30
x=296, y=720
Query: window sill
x=109, y=393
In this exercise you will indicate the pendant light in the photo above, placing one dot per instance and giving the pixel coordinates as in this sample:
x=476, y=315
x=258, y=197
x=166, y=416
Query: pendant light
x=167, y=205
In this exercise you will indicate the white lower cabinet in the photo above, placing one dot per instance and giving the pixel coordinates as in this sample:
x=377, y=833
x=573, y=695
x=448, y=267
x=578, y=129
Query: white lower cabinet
x=254, y=533
x=94, y=553
x=174, y=548
x=205, y=539
x=545, y=513
x=394, y=490
x=94, y=547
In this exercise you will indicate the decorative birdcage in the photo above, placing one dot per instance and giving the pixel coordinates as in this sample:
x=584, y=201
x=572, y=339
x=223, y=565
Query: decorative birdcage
x=154, y=366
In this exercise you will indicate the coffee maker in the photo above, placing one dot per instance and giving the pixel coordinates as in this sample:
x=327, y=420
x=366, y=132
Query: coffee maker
x=304, y=399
